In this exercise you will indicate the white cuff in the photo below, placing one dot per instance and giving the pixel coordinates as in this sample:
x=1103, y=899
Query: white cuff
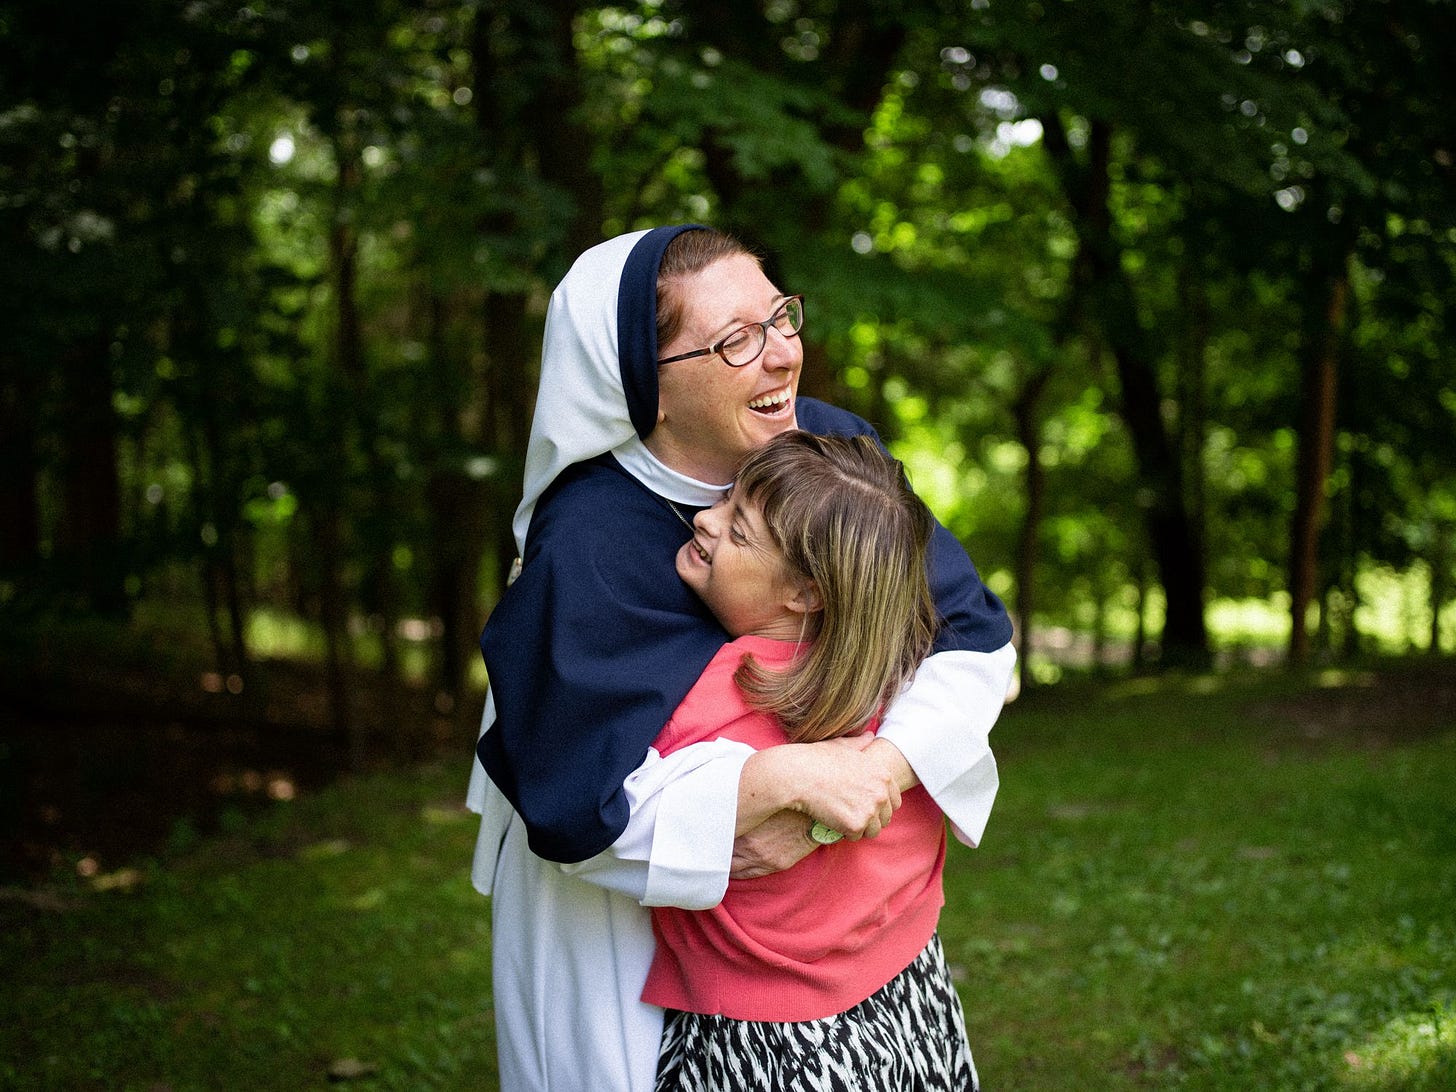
x=696, y=818
x=678, y=843
x=942, y=725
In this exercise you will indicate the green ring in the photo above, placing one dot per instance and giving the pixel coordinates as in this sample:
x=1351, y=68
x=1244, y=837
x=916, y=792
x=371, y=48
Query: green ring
x=825, y=836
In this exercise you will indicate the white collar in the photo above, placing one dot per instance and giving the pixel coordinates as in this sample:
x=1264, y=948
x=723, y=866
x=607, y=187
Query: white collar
x=662, y=479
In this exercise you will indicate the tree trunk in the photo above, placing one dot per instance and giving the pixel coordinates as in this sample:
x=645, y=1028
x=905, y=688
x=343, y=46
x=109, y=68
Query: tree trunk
x=818, y=379
x=19, y=469
x=377, y=524
x=1028, y=431
x=203, y=505
x=214, y=488
x=860, y=50
x=1110, y=303
x=508, y=335
x=232, y=600
x=1441, y=562
x=1176, y=550
x=545, y=66
x=460, y=526
x=1324, y=640
x=1192, y=408
x=1349, y=646
x=1315, y=455
x=346, y=385
x=1140, y=635
x=562, y=149
x=334, y=617
x=458, y=523
x=88, y=535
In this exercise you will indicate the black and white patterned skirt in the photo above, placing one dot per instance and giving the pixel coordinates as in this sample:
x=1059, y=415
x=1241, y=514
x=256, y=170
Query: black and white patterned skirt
x=909, y=1036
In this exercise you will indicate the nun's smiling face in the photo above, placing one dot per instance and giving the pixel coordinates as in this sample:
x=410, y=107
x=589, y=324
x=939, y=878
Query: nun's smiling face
x=710, y=415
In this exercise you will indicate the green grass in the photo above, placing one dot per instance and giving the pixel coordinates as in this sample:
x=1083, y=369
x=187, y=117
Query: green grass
x=1209, y=887
x=342, y=926
x=1245, y=883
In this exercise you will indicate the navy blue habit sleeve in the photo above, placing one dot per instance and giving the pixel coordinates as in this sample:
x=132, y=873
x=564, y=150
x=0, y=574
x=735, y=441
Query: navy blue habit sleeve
x=598, y=641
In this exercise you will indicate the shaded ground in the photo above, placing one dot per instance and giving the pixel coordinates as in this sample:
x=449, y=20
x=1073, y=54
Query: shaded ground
x=1370, y=705
x=1373, y=706
x=103, y=760
x=108, y=789
x=106, y=755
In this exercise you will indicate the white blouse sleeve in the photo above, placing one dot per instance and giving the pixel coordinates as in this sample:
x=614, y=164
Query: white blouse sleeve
x=942, y=725
x=678, y=844
x=677, y=847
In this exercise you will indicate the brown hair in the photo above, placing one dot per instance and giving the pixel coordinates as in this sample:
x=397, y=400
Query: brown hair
x=844, y=516
x=689, y=253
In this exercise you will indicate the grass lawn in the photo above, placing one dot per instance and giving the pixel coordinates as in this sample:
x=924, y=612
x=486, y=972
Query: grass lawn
x=1246, y=882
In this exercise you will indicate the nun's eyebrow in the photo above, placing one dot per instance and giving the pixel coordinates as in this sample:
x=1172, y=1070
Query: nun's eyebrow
x=737, y=323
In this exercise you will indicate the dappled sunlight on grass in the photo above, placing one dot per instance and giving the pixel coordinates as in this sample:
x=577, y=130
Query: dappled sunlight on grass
x=280, y=635
x=318, y=851
x=436, y=814
x=1335, y=678
x=1207, y=684
x=1414, y=1050
x=1148, y=685
x=1134, y=687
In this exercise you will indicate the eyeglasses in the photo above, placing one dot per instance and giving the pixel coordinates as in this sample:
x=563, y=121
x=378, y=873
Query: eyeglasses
x=744, y=344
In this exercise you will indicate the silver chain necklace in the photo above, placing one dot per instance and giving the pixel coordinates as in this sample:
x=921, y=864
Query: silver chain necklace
x=680, y=517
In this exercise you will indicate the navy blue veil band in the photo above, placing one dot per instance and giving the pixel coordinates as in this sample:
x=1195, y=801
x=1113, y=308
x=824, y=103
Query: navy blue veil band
x=637, y=325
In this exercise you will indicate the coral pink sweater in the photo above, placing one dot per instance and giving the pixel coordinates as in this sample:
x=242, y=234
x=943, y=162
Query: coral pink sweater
x=815, y=939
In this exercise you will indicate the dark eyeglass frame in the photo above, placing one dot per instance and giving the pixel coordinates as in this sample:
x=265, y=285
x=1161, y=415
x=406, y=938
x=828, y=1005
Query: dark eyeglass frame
x=716, y=349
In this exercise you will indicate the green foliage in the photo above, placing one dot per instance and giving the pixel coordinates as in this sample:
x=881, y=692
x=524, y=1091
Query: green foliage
x=273, y=280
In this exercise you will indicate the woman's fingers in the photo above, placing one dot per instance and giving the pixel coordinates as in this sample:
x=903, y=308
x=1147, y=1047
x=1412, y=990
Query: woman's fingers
x=847, y=787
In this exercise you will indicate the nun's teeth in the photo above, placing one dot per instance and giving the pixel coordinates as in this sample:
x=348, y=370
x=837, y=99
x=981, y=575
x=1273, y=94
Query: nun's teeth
x=768, y=400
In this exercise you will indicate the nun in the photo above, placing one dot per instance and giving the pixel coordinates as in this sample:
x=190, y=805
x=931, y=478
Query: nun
x=668, y=355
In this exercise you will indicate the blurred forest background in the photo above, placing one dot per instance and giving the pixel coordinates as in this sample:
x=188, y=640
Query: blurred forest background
x=1156, y=301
